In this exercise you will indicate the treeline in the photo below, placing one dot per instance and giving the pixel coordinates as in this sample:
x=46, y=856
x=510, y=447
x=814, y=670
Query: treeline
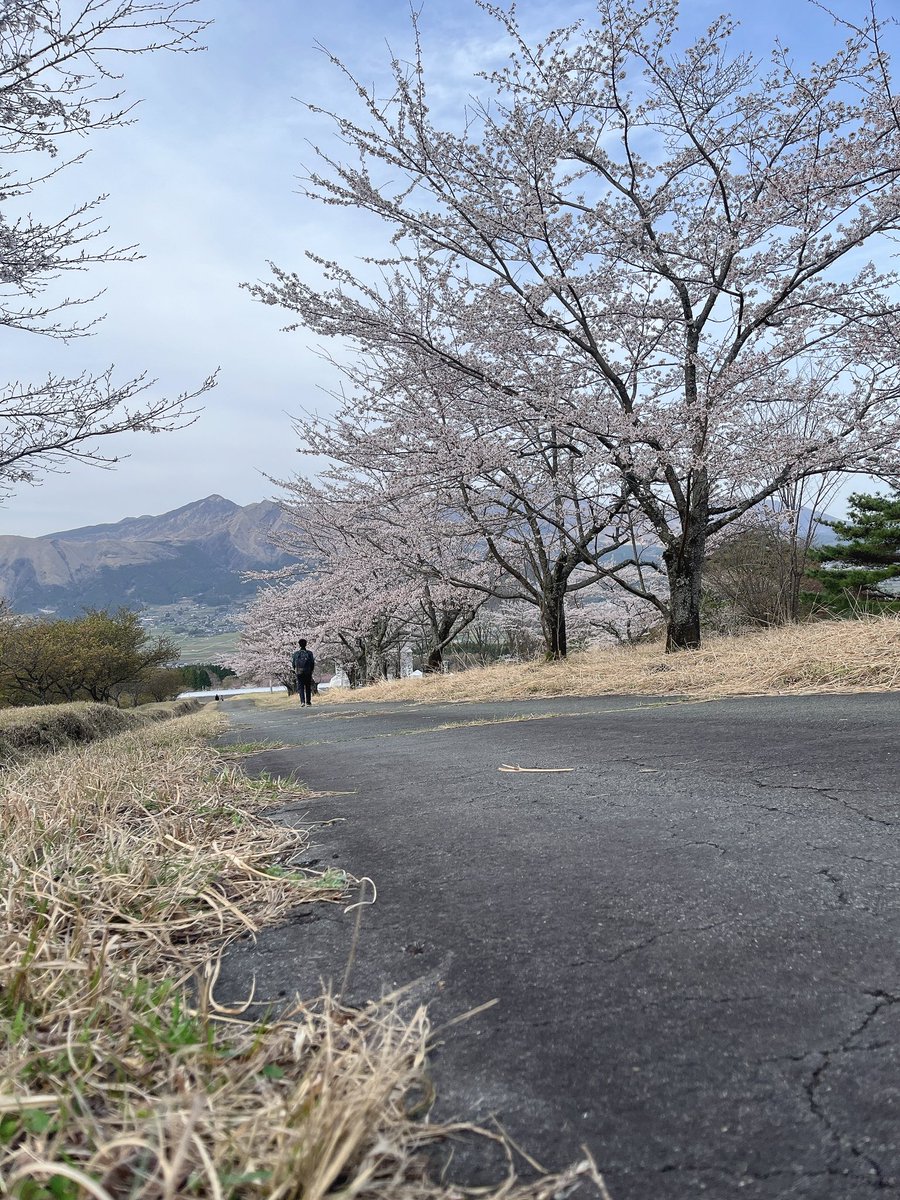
x=108, y=657
x=200, y=677
x=102, y=656
x=862, y=569
x=359, y=611
x=770, y=575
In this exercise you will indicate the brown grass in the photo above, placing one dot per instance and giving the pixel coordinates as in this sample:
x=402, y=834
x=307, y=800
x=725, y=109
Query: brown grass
x=124, y=865
x=51, y=726
x=825, y=656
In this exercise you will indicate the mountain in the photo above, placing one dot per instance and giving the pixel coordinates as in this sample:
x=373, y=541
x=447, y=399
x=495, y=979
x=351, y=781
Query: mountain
x=196, y=553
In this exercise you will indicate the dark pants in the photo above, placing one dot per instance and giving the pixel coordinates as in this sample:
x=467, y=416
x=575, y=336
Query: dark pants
x=304, y=687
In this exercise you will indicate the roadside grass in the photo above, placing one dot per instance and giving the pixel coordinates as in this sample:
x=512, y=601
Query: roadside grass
x=824, y=657
x=244, y=749
x=266, y=788
x=41, y=727
x=127, y=866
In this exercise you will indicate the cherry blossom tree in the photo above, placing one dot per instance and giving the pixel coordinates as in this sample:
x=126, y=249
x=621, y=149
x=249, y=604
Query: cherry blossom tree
x=604, y=614
x=58, y=85
x=397, y=554
x=352, y=608
x=445, y=613
x=272, y=625
x=609, y=614
x=439, y=484
x=660, y=250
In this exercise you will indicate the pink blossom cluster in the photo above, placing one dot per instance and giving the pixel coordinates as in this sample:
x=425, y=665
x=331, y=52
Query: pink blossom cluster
x=637, y=293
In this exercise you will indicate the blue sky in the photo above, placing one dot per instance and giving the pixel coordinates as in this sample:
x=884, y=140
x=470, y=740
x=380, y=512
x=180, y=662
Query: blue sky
x=206, y=184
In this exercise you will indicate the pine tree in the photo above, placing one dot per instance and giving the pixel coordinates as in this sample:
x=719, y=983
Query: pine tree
x=866, y=555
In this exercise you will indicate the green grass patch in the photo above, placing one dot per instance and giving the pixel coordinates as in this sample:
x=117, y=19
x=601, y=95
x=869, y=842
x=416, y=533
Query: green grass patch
x=240, y=749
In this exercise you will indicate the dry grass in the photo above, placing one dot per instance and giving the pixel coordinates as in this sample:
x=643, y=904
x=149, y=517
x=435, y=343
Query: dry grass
x=52, y=726
x=124, y=864
x=825, y=656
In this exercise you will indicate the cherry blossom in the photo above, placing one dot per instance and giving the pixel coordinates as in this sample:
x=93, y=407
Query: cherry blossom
x=57, y=86
x=665, y=257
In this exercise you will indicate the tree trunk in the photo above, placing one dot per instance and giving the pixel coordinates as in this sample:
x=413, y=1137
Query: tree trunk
x=435, y=661
x=799, y=562
x=553, y=620
x=375, y=664
x=440, y=635
x=684, y=568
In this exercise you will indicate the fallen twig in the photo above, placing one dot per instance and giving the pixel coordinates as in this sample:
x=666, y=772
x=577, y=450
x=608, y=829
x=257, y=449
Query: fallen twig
x=536, y=770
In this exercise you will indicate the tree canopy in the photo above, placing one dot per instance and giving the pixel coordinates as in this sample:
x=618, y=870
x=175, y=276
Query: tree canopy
x=58, y=86
x=99, y=656
x=656, y=250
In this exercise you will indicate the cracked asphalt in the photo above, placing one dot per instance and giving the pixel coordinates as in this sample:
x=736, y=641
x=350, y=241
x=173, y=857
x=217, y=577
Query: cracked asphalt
x=692, y=937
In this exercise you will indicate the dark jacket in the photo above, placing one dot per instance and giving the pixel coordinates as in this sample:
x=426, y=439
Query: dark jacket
x=303, y=662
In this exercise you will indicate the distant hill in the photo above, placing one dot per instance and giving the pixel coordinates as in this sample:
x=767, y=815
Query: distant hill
x=196, y=552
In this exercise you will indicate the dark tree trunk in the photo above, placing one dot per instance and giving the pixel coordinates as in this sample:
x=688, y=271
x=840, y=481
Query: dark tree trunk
x=441, y=630
x=553, y=620
x=684, y=567
x=435, y=661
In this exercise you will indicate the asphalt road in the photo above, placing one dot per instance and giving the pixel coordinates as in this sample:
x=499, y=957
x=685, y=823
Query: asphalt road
x=692, y=936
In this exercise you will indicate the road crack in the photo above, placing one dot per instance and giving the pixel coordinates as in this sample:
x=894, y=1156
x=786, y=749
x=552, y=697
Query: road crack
x=826, y=794
x=817, y=1082
x=646, y=942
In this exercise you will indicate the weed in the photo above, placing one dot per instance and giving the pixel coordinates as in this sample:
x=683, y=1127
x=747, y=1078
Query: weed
x=331, y=880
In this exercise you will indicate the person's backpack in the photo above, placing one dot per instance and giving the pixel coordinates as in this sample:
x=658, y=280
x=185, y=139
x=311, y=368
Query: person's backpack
x=303, y=662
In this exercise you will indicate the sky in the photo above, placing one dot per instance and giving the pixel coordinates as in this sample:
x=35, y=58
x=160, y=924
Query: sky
x=206, y=183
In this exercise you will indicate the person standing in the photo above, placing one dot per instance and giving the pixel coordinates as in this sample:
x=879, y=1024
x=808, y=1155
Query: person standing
x=303, y=662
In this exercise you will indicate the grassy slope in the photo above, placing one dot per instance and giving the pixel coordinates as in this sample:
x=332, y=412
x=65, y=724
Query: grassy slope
x=52, y=726
x=826, y=656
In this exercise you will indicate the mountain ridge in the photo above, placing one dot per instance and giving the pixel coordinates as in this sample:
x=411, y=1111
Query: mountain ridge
x=214, y=503
x=195, y=552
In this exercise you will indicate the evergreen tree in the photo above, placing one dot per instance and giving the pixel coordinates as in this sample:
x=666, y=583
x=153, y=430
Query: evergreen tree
x=197, y=677
x=866, y=555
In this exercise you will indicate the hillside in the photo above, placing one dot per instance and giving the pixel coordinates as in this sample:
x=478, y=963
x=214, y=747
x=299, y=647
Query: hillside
x=196, y=552
x=817, y=657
